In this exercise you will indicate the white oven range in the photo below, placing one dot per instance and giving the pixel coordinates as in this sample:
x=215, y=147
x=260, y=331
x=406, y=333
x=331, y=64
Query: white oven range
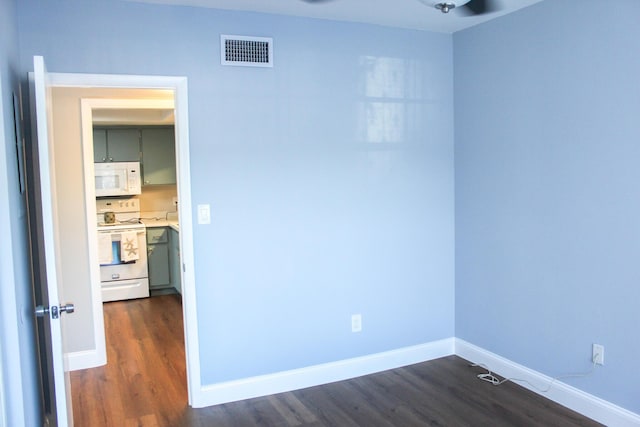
x=122, y=250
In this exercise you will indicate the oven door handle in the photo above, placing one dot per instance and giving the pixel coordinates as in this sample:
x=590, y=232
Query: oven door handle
x=142, y=231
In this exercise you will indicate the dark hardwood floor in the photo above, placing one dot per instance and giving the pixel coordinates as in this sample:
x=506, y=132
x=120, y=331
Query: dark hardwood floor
x=144, y=384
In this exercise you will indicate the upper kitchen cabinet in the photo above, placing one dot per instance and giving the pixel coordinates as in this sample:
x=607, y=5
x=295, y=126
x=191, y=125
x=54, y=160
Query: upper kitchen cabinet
x=100, y=145
x=116, y=145
x=158, y=155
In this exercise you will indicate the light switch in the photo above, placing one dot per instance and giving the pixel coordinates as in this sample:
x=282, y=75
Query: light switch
x=204, y=214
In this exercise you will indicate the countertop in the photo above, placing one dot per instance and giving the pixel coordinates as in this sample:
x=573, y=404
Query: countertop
x=152, y=222
x=153, y=219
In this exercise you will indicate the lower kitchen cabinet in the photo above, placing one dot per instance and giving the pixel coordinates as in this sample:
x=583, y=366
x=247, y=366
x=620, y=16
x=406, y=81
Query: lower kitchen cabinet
x=163, y=251
x=158, y=258
x=174, y=257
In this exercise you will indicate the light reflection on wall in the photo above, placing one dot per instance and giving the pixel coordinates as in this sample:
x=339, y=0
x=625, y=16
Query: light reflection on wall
x=391, y=111
x=383, y=122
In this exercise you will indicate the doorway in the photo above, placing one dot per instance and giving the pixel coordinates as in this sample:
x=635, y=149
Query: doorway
x=144, y=337
x=91, y=351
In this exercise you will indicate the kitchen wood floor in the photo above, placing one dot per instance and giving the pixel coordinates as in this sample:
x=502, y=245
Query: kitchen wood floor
x=144, y=384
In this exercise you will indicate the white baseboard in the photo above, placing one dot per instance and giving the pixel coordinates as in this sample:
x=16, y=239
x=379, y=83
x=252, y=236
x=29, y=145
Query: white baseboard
x=320, y=374
x=564, y=394
x=84, y=360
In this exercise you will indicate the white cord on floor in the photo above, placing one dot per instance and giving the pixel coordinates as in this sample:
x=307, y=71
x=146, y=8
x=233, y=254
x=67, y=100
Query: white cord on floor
x=493, y=380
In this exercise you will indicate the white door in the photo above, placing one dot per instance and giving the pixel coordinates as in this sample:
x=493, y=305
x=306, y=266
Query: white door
x=57, y=402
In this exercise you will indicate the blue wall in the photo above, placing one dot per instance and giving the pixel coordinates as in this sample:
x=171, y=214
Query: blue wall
x=330, y=175
x=547, y=106
x=17, y=341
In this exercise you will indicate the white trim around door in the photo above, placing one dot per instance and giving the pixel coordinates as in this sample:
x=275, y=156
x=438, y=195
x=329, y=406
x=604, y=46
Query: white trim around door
x=179, y=86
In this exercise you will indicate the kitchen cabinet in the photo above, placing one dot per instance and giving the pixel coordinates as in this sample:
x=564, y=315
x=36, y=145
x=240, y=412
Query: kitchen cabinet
x=174, y=259
x=158, y=258
x=116, y=145
x=99, y=145
x=158, y=155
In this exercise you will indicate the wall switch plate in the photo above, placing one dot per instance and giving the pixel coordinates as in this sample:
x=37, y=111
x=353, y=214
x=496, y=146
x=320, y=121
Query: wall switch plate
x=597, y=355
x=356, y=322
x=204, y=214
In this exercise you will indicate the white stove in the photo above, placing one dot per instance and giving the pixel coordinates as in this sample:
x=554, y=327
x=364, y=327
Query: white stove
x=126, y=210
x=122, y=249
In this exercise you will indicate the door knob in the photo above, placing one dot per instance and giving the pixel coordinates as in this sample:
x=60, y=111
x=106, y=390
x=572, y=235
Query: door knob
x=55, y=311
x=41, y=311
x=67, y=308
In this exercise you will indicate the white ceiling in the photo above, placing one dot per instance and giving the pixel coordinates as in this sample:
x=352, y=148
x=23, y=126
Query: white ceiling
x=414, y=14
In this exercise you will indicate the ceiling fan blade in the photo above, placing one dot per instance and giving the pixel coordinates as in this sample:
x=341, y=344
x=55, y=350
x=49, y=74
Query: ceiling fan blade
x=479, y=7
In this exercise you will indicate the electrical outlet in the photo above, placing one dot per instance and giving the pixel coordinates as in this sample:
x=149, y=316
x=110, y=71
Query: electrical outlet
x=597, y=355
x=356, y=322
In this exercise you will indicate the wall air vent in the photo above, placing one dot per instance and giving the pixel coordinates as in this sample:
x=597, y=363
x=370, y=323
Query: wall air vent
x=246, y=51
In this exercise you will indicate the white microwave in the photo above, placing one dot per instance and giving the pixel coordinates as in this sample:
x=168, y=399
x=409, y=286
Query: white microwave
x=117, y=178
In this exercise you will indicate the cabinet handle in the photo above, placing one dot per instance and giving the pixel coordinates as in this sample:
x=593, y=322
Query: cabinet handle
x=111, y=159
x=104, y=159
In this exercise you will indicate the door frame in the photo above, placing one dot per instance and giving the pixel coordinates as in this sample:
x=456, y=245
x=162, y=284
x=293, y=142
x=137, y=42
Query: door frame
x=180, y=89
